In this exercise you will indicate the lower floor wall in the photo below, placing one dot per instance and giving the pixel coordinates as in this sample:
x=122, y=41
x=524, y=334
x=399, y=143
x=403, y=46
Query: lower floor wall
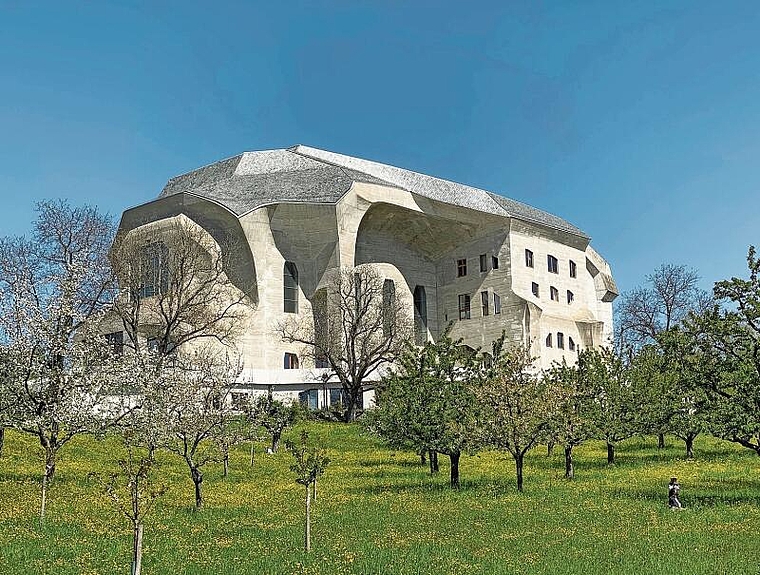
x=312, y=396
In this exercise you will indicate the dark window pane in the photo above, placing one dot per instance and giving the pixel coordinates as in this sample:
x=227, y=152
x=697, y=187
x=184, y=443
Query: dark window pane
x=290, y=288
x=461, y=268
x=464, y=306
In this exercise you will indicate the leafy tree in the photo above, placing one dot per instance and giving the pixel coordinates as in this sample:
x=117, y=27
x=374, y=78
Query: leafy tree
x=359, y=325
x=670, y=294
x=310, y=463
x=726, y=339
x=429, y=401
x=616, y=403
x=666, y=378
x=515, y=405
x=575, y=397
x=275, y=416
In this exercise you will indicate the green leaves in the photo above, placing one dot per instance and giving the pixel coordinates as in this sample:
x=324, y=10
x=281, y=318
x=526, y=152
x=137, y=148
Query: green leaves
x=310, y=461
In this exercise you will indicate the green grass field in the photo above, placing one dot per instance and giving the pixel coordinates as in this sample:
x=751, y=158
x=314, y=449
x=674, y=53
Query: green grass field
x=380, y=512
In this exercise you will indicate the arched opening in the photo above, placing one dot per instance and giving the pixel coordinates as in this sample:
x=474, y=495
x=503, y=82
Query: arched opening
x=420, y=315
x=389, y=303
x=290, y=288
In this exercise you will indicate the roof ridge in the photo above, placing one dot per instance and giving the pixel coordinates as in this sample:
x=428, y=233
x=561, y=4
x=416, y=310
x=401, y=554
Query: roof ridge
x=204, y=166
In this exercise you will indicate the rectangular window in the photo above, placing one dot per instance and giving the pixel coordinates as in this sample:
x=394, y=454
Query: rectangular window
x=552, y=264
x=529, y=258
x=484, y=302
x=464, y=306
x=483, y=263
x=291, y=361
x=570, y=344
x=549, y=340
x=496, y=304
x=560, y=340
x=462, y=267
x=554, y=293
x=534, y=289
x=570, y=297
x=309, y=399
x=336, y=397
x=494, y=263
x=573, y=269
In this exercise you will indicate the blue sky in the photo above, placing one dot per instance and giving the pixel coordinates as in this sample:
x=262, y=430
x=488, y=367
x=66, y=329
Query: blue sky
x=637, y=122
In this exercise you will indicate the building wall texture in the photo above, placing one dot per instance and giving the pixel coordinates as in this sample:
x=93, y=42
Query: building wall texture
x=323, y=211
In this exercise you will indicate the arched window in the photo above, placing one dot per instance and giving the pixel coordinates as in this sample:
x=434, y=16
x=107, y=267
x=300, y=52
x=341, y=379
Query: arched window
x=389, y=305
x=290, y=287
x=154, y=270
x=420, y=314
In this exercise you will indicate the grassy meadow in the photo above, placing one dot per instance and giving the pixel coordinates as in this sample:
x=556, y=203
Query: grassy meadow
x=379, y=512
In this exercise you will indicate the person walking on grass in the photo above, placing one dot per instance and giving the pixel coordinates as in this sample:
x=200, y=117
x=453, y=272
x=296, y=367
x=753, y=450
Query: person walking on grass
x=674, y=489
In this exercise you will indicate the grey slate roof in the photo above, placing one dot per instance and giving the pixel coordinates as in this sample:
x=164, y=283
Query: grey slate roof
x=304, y=174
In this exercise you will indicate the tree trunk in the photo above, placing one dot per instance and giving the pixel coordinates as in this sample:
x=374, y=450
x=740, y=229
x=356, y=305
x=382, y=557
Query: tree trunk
x=351, y=411
x=44, y=497
x=307, y=534
x=610, y=453
x=276, y=440
x=2, y=439
x=549, y=449
x=454, y=475
x=433, y=460
x=314, y=496
x=422, y=453
x=226, y=463
x=47, y=477
x=690, y=445
x=137, y=538
x=660, y=441
x=569, y=472
x=519, y=470
x=253, y=446
x=197, y=476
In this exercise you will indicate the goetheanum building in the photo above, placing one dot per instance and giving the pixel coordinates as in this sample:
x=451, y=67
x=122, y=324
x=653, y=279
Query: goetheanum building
x=456, y=254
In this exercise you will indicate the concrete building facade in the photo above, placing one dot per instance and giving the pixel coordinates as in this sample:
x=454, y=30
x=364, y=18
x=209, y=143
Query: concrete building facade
x=456, y=254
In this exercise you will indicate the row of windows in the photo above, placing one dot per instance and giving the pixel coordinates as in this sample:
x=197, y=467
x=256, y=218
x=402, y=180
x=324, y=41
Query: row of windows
x=483, y=262
x=552, y=264
x=553, y=293
x=290, y=296
x=561, y=341
x=485, y=305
